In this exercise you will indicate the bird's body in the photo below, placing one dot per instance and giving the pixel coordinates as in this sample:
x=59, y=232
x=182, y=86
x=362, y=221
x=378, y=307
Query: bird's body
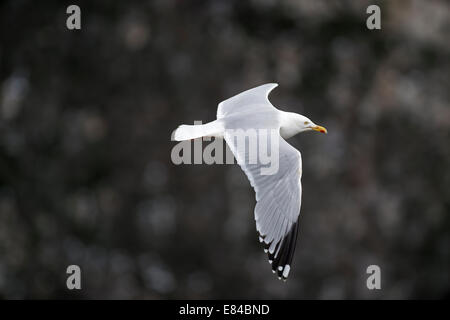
x=278, y=193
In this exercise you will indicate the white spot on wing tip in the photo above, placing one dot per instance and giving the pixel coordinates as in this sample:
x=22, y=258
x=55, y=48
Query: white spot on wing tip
x=287, y=268
x=280, y=268
x=265, y=250
x=270, y=261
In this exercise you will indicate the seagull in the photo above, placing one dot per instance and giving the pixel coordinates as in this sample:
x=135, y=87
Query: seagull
x=279, y=194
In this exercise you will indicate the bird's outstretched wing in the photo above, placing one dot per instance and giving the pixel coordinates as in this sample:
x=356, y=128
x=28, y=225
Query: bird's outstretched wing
x=278, y=199
x=247, y=101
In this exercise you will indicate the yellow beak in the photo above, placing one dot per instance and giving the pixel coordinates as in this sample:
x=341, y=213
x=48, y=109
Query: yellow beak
x=320, y=129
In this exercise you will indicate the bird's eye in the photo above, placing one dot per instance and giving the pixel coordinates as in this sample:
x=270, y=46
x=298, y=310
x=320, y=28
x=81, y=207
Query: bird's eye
x=306, y=122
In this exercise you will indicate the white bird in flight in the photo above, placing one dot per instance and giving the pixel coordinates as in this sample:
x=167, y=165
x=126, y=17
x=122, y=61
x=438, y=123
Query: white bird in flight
x=278, y=195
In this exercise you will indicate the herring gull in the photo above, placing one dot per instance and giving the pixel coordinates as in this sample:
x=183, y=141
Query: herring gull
x=278, y=193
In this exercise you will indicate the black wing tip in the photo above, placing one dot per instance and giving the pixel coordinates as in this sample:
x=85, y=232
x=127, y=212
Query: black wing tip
x=281, y=263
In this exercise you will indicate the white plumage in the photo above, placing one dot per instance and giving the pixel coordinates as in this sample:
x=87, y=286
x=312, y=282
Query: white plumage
x=278, y=195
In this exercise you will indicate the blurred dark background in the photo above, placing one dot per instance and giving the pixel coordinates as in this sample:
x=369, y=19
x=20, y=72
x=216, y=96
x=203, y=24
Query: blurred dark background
x=86, y=176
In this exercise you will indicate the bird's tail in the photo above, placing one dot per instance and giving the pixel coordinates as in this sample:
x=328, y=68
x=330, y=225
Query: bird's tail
x=187, y=132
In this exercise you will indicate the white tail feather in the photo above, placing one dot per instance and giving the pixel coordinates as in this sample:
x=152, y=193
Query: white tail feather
x=187, y=132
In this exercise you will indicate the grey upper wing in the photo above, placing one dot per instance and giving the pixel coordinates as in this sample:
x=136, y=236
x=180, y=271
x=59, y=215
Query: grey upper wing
x=247, y=101
x=278, y=199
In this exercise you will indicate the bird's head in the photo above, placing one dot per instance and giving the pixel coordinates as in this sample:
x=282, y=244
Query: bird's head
x=294, y=123
x=305, y=124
